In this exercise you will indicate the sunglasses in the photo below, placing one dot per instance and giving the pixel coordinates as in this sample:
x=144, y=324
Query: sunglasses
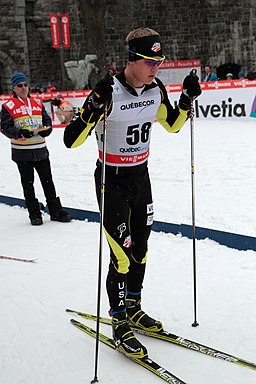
x=21, y=85
x=150, y=61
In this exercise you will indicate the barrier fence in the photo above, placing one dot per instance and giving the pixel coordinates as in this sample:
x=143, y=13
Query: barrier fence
x=234, y=99
x=231, y=240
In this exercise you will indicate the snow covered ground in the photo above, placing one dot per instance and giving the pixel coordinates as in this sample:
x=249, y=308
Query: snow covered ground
x=38, y=343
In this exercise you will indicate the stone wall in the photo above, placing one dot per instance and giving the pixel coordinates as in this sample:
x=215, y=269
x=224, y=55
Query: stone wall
x=215, y=31
x=13, y=45
x=25, y=40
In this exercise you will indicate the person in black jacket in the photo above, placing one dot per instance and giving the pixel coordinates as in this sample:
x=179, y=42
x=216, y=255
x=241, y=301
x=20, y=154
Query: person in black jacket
x=25, y=121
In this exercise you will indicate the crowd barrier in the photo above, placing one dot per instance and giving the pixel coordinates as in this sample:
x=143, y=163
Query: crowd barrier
x=226, y=99
x=231, y=240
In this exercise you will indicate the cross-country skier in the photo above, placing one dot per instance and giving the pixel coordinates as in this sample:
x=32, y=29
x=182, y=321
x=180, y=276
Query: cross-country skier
x=134, y=99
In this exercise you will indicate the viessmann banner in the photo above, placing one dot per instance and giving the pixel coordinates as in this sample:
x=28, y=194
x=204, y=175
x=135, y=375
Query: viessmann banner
x=220, y=100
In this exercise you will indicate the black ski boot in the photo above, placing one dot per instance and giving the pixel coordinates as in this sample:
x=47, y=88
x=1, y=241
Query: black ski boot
x=138, y=317
x=34, y=212
x=56, y=211
x=124, y=338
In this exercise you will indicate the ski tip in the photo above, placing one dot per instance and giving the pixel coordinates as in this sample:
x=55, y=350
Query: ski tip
x=68, y=310
x=73, y=321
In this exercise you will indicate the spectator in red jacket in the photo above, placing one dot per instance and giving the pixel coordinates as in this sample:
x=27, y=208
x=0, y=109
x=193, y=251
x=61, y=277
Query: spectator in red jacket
x=51, y=87
x=26, y=123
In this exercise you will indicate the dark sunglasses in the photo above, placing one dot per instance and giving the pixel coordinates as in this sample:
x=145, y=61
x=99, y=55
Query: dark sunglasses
x=153, y=63
x=21, y=85
x=150, y=61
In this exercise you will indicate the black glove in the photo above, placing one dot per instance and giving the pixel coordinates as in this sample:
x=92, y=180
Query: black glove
x=191, y=90
x=191, y=86
x=55, y=102
x=102, y=92
x=25, y=133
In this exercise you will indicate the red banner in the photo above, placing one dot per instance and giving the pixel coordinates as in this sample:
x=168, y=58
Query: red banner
x=55, y=30
x=65, y=30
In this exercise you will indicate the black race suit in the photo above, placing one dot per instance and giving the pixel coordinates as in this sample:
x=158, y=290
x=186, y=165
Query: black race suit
x=128, y=211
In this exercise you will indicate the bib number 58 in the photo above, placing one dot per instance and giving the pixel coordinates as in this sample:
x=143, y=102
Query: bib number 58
x=135, y=133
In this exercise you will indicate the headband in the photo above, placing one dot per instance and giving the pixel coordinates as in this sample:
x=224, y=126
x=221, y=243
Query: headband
x=148, y=46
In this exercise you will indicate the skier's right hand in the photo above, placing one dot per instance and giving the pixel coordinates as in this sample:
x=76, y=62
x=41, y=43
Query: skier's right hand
x=102, y=93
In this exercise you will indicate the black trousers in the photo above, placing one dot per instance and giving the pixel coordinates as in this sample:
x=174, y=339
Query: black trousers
x=43, y=168
x=128, y=219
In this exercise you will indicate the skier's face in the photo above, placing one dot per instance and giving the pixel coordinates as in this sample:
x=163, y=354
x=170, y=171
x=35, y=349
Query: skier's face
x=145, y=70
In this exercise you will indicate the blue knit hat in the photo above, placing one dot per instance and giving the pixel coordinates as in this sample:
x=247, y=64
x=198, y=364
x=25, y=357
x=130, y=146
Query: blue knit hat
x=18, y=77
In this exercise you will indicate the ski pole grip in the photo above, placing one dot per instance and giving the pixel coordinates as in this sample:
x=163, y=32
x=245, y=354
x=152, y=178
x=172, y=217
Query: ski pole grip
x=193, y=72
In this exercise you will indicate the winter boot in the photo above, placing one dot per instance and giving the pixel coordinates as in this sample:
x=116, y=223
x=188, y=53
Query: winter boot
x=124, y=337
x=56, y=211
x=34, y=212
x=138, y=317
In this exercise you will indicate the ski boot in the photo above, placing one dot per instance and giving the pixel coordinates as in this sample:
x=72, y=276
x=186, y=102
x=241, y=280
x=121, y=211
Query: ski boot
x=124, y=337
x=138, y=317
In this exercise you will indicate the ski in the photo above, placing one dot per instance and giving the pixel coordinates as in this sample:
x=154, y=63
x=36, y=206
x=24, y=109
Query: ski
x=146, y=363
x=178, y=340
x=18, y=259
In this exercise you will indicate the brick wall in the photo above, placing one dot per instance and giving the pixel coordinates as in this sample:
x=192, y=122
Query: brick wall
x=215, y=31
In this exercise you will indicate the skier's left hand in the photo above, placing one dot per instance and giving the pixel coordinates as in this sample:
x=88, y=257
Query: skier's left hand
x=191, y=86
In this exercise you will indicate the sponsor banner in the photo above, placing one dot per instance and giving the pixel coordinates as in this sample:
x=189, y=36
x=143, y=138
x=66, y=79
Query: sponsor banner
x=229, y=103
x=219, y=100
x=253, y=109
x=227, y=84
x=75, y=98
x=173, y=72
x=216, y=85
x=55, y=30
x=65, y=30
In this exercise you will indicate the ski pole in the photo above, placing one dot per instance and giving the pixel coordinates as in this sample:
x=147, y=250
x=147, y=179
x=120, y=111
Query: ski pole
x=195, y=323
x=102, y=203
